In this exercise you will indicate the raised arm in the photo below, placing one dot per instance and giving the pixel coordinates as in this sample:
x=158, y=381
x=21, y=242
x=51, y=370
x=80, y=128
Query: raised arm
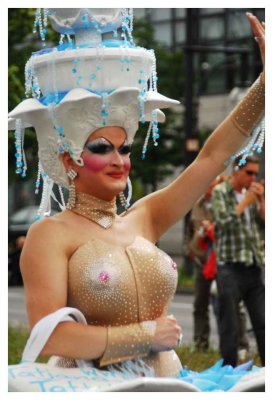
x=165, y=207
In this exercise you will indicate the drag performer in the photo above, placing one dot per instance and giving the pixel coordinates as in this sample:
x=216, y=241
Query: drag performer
x=91, y=259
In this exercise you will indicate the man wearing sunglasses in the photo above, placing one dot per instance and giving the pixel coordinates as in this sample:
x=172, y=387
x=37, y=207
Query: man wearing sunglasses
x=239, y=213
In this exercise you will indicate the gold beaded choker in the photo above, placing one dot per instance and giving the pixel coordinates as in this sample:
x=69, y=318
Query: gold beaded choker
x=100, y=211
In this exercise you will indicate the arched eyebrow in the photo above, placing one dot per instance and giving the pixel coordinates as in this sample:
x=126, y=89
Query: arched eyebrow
x=99, y=138
x=109, y=141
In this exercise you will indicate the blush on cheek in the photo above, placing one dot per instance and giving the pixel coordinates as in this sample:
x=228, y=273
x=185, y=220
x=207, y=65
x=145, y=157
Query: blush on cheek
x=95, y=163
x=127, y=165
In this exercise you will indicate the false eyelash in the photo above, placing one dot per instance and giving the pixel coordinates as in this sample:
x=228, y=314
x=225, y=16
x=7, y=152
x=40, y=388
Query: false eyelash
x=125, y=149
x=100, y=148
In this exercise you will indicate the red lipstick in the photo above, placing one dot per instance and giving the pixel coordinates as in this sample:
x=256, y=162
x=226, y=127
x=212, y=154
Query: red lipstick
x=116, y=175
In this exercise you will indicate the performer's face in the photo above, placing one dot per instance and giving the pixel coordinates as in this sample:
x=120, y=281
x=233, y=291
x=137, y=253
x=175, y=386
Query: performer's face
x=106, y=158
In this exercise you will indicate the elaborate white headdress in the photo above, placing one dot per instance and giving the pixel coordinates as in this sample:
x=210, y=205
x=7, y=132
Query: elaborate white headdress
x=79, y=87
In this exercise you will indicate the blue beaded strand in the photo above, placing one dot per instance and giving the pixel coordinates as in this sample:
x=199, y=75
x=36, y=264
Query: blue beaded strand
x=19, y=149
x=254, y=145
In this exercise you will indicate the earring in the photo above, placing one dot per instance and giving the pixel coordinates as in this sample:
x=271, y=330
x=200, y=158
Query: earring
x=72, y=189
x=126, y=202
x=122, y=200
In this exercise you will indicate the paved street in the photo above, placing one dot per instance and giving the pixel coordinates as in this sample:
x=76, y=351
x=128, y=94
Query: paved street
x=181, y=308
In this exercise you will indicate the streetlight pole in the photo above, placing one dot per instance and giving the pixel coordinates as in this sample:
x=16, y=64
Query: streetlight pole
x=192, y=96
x=190, y=117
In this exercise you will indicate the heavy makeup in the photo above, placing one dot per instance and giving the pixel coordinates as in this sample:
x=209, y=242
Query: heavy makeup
x=101, y=152
x=106, y=163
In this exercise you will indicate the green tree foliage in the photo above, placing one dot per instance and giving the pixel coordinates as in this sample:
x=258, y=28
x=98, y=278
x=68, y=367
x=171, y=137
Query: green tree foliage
x=21, y=45
x=22, y=42
x=160, y=161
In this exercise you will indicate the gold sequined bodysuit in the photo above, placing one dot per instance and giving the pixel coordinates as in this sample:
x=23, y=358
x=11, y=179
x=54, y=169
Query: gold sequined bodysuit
x=113, y=286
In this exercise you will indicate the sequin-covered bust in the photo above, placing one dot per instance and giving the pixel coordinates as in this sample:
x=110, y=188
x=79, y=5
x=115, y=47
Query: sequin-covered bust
x=87, y=257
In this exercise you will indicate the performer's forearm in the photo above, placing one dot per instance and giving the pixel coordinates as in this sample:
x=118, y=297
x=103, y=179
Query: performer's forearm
x=75, y=340
x=109, y=345
x=231, y=134
x=128, y=341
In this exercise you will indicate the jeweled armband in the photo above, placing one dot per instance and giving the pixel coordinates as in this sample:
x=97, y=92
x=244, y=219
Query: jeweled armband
x=127, y=342
x=250, y=110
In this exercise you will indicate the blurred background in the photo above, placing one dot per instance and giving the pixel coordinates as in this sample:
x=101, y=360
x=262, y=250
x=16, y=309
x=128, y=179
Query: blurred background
x=206, y=58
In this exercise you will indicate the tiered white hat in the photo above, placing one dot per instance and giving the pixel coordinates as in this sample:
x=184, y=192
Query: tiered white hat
x=80, y=87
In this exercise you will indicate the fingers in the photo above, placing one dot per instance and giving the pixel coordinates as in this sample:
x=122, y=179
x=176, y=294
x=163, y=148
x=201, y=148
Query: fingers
x=257, y=188
x=258, y=27
x=174, y=320
x=167, y=335
x=177, y=337
x=179, y=341
x=251, y=196
x=257, y=185
x=177, y=328
x=252, y=188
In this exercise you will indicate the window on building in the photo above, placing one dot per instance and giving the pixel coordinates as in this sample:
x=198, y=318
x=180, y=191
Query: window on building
x=160, y=14
x=206, y=11
x=215, y=26
x=212, y=73
x=139, y=12
x=180, y=12
x=238, y=25
x=260, y=13
x=211, y=28
x=162, y=33
x=180, y=32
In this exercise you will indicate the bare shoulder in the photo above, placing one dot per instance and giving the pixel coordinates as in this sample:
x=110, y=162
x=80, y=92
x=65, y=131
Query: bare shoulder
x=48, y=230
x=45, y=239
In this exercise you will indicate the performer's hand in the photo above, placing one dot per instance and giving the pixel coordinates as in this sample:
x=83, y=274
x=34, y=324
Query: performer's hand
x=167, y=334
x=258, y=29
